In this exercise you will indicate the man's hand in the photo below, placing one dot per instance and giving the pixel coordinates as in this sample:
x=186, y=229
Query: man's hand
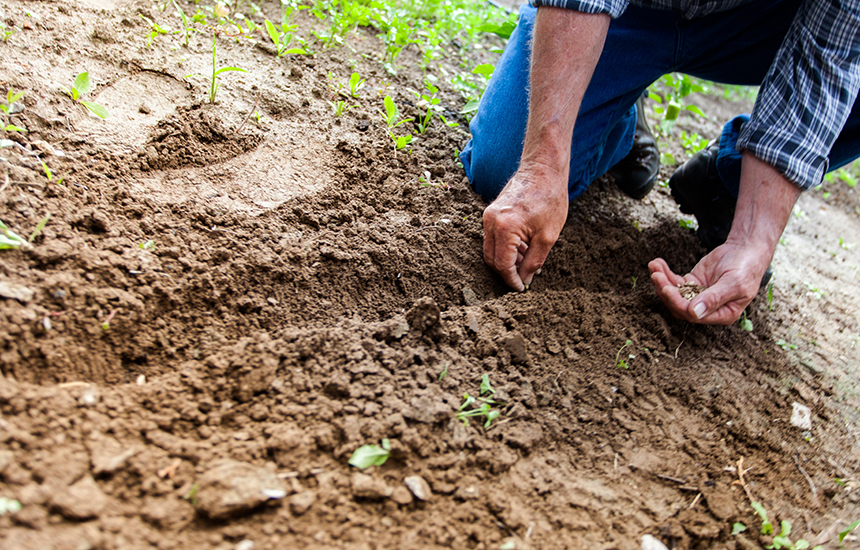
x=731, y=273
x=523, y=223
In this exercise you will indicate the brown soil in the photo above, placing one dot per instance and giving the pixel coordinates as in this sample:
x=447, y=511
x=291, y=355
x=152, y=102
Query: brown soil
x=307, y=287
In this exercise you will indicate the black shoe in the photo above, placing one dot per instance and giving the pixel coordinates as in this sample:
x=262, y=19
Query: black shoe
x=697, y=188
x=637, y=173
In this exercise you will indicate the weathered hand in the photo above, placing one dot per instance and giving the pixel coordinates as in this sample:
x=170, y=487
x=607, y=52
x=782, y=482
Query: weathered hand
x=731, y=275
x=523, y=223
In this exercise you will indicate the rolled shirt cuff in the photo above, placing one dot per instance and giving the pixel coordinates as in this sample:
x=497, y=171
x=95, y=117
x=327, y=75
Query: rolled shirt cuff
x=613, y=8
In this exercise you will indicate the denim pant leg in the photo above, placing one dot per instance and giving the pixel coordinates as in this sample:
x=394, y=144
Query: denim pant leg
x=607, y=119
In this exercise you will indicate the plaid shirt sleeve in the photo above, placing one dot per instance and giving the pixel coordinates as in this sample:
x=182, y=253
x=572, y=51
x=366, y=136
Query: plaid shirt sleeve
x=808, y=92
x=613, y=8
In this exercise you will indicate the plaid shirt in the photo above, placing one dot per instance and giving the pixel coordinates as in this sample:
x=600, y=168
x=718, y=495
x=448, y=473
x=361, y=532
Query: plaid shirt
x=808, y=92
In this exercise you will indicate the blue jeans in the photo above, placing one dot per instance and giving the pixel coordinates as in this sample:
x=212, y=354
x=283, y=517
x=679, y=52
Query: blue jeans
x=733, y=47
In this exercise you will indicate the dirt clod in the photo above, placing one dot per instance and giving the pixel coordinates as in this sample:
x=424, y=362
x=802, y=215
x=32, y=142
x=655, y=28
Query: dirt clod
x=231, y=488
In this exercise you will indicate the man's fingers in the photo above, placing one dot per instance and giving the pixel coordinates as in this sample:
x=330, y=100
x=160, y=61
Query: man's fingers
x=659, y=265
x=506, y=258
x=535, y=256
x=720, y=304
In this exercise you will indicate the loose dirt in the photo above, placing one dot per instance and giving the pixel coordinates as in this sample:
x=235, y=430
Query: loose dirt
x=309, y=290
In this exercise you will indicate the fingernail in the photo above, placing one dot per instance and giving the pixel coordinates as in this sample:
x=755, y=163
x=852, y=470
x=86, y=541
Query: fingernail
x=699, y=309
x=537, y=272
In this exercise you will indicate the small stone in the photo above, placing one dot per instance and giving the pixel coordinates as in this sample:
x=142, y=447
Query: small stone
x=419, y=487
x=302, y=502
x=401, y=496
x=141, y=380
x=649, y=542
x=246, y=544
x=364, y=486
x=516, y=346
x=231, y=487
x=12, y=291
x=469, y=492
x=801, y=416
x=470, y=298
x=83, y=500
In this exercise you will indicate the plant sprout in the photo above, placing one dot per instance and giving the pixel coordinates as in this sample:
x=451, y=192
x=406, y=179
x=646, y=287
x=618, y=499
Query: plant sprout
x=370, y=455
x=80, y=88
x=213, y=82
x=9, y=240
x=623, y=363
x=356, y=83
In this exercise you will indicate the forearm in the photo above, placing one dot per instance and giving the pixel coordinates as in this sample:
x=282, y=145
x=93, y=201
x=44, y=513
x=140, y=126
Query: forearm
x=764, y=205
x=565, y=49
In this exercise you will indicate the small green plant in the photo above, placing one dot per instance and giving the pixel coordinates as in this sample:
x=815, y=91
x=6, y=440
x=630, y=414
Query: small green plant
x=108, y=319
x=216, y=72
x=444, y=372
x=745, y=323
x=843, y=534
x=845, y=245
x=9, y=240
x=485, y=405
x=782, y=540
x=49, y=174
x=186, y=24
x=82, y=87
x=356, y=83
x=786, y=345
x=147, y=245
x=770, y=296
x=678, y=87
x=816, y=293
x=9, y=108
x=340, y=107
x=156, y=30
x=191, y=495
x=281, y=38
x=687, y=224
x=370, y=455
x=693, y=143
x=9, y=506
x=432, y=102
x=623, y=363
x=39, y=227
x=391, y=115
x=6, y=32
x=738, y=528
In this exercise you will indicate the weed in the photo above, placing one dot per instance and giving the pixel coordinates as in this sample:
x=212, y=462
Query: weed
x=147, y=245
x=485, y=405
x=845, y=245
x=634, y=283
x=356, y=83
x=186, y=24
x=11, y=108
x=786, y=345
x=843, y=534
x=738, y=528
x=213, y=83
x=156, y=31
x=623, y=363
x=340, y=107
x=370, y=455
x=9, y=240
x=191, y=495
x=745, y=323
x=816, y=293
x=687, y=224
x=39, y=227
x=6, y=32
x=770, y=296
x=81, y=87
x=282, y=37
x=444, y=372
x=678, y=88
x=391, y=116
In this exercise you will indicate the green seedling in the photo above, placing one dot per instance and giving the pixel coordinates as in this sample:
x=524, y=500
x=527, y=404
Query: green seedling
x=391, y=116
x=485, y=405
x=485, y=385
x=340, y=107
x=738, y=528
x=356, y=83
x=213, y=82
x=634, y=283
x=745, y=323
x=766, y=525
x=11, y=108
x=9, y=240
x=444, y=372
x=49, y=174
x=686, y=224
x=816, y=293
x=786, y=345
x=148, y=245
x=155, y=31
x=6, y=32
x=39, y=227
x=186, y=24
x=281, y=38
x=678, y=87
x=623, y=363
x=432, y=103
x=82, y=87
x=693, y=143
x=843, y=534
x=191, y=495
x=108, y=319
x=770, y=296
x=9, y=506
x=845, y=245
x=503, y=30
x=484, y=69
x=370, y=455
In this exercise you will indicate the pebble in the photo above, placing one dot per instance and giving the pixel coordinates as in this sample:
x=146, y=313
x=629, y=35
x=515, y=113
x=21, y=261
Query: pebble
x=246, y=544
x=419, y=487
x=801, y=416
x=364, y=486
x=11, y=291
x=469, y=297
x=231, y=487
x=83, y=500
x=401, y=496
x=649, y=542
x=302, y=502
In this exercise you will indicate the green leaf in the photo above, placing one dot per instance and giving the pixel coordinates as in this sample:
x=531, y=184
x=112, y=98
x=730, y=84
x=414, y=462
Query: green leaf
x=470, y=107
x=802, y=544
x=672, y=111
x=39, y=227
x=484, y=69
x=9, y=239
x=295, y=51
x=696, y=110
x=502, y=31
x=851, y=527
x=273, y=33
x=225, y=69
x=780, y=542
x=13, y=98
x=370, y=455
x=390, y=110
x=99, y=110
x=766, y=526
x=491, y=415
x=82, y=83
x=13, y=128
x=485, y=385
x=738, y=528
